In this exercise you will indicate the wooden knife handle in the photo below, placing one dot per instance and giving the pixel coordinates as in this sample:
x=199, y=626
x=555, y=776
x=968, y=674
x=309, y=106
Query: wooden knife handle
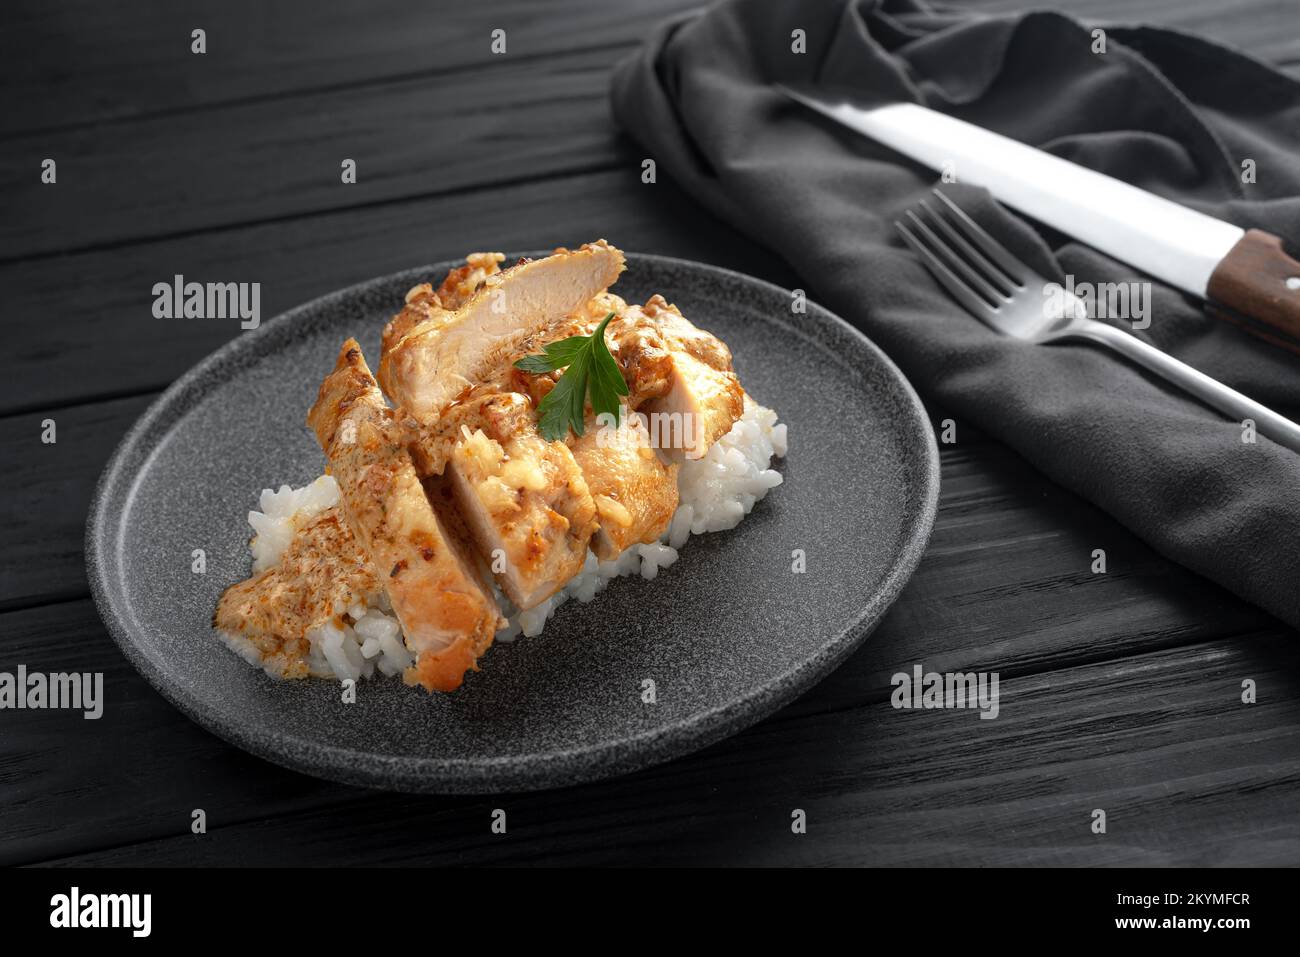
x=1252, y=281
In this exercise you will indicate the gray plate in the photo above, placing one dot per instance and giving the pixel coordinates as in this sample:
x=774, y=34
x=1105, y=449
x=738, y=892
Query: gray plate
x=728, y=634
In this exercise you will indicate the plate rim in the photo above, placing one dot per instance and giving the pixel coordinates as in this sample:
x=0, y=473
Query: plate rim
x=537, y=771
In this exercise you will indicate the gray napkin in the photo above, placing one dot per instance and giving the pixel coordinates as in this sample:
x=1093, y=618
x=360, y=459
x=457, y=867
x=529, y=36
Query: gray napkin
x=1168, y=112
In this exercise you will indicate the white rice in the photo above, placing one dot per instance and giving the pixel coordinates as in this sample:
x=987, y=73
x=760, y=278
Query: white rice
x=283, y=513
x=373, y=642
x=716, y=492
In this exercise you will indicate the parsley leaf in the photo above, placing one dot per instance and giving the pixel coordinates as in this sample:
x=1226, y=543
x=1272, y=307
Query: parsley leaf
x=591, y=372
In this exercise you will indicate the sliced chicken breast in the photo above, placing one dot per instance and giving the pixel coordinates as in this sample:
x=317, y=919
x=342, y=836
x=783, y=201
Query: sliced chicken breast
x=432, y=581
x=678, y=375
x=322, y=569
x=633, y=489
x=446, y=355
x=686, y=396
x=524, y=499
x=426, y=304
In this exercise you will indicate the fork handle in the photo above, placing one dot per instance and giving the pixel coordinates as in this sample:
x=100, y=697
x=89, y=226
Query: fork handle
x=1210, y=391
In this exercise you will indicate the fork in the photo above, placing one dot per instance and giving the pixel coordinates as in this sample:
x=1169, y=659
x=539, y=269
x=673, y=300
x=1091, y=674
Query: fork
x=1003, y=293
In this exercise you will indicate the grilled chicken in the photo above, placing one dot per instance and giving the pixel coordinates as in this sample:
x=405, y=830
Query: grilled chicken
x=458, y=480
x=444, y=355
x=424, y=303
x=681, y=382
x=633, y=489
x=678, y=374
x=432, y=582
x=322, y=569
x=523, y=498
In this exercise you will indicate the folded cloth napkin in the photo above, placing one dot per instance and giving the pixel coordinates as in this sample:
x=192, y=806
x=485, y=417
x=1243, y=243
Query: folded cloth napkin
x=1168, y=112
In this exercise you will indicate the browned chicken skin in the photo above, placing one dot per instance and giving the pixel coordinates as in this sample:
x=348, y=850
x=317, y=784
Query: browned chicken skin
x=446, y=610
x=523, y=498
x=425, y=304
x=446, y=355
x=668, y=363
x=633, y=488
x=679, y=373
x=322, y=569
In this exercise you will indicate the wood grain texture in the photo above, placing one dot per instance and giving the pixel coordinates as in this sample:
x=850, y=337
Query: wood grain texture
x=270, y=172
x=48, y=493
x=1161, y=742
x=99, y=64
x=136, y=772
x=266, y=160
x=78, y=62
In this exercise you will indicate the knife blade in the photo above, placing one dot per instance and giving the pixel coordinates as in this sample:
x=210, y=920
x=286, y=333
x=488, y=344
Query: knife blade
x=1246, y=272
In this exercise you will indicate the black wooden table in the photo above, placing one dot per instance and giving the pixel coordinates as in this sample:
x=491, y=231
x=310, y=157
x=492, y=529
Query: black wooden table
x=1119, y=691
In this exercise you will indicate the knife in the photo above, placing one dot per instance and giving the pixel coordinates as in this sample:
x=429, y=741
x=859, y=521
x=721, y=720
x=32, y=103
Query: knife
x=1245, y=274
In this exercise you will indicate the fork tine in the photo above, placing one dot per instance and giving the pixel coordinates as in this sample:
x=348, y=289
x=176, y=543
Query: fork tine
x=994, y=249
x=996, y=277
x=957, y=264
x=963, y=293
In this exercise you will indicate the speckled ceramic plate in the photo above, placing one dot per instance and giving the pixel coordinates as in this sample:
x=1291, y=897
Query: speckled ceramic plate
x=728, y=634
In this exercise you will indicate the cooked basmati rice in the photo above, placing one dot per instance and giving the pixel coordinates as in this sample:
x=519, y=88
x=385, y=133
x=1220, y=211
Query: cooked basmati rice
x=283, y=513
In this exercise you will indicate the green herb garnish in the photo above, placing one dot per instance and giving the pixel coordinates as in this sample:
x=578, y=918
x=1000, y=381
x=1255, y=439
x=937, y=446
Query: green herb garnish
x=591, y=371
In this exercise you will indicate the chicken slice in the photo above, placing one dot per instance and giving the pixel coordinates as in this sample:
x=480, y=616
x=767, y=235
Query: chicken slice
x=323, y=568
x=524, y=499
x=424, y=303
x=679, y=376
x=433, y=583
x=443, y=355
x=685, y=395
x=633, y=489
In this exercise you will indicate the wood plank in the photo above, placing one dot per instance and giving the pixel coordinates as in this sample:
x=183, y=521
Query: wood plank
x=120, y=63
x=98, y=335
x=48, y=493
x=265, y=160
x=1187, y=774
x=78, y=62
x=268, y=158
x=137, y=771
x=86, y=353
